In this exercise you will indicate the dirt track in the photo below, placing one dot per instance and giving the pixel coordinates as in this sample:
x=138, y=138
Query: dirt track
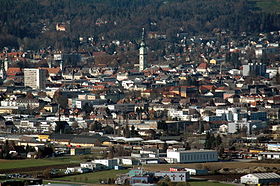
x=211, y=165
x=221, y=177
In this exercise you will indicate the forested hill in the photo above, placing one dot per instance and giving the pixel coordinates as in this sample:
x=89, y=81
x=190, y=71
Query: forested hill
x=32, y=23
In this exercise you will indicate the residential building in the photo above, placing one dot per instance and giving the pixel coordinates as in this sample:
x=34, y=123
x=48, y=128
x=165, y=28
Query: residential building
x=254, y=69
x=35, y=78
x=180, y=176
x=249, y=126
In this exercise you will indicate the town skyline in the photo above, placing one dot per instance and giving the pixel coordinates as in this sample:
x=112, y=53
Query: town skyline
x=144, y=92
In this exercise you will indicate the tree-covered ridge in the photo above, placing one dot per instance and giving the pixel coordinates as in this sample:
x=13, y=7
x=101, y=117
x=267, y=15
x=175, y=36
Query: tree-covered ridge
x=25, y=21
x=270, y=6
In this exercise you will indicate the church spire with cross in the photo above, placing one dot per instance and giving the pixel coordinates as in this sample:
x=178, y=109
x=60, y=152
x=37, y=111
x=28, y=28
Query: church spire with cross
x=142, y=53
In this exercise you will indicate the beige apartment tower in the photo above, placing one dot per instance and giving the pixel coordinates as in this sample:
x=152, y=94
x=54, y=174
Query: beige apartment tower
x=35, y=78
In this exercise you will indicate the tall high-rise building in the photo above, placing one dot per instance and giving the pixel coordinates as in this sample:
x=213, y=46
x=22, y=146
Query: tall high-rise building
x=35, y=78
x=142, y=53
x=254, y=69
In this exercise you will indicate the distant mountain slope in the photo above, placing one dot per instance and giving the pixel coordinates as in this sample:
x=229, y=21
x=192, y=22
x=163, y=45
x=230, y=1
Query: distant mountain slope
x=32, y=23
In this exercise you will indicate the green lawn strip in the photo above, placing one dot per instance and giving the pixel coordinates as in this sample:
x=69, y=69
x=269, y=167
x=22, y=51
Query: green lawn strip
x=207, y=183
x=93, y=177
x=58, y=182
x=11, y=164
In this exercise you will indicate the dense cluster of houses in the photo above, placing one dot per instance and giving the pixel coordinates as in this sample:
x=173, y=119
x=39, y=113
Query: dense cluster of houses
x=231, y=89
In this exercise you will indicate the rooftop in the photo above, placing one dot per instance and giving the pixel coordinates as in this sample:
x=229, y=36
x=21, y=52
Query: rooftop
x=265, y=175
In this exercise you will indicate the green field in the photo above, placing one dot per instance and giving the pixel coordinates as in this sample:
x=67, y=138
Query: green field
x=206, y=183
x=11, y=164
x=59, y=182
x=270, y=6
x=93, y=177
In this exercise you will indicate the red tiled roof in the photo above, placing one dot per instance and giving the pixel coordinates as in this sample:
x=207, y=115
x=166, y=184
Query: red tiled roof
x=202, y=66
x=13, y=71
x=15, y=54
x=207, y=87
x=99, y=53
x=147, y=91
x=221, y=88
x=52, y=70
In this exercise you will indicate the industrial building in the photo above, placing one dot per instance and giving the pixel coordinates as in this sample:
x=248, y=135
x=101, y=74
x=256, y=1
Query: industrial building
x=261, y=178
x=190, y=156
x=110, y=163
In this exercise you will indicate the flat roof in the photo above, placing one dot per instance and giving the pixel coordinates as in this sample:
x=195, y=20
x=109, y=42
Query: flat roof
x=271, y=175
x=187, y=151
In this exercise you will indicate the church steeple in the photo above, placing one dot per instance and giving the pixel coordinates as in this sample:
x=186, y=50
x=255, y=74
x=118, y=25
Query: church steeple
x=143, y=34
x=4, y=67
x=142, y=52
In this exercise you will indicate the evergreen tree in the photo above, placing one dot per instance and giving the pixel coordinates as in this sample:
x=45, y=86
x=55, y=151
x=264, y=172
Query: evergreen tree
x=208, y=143
x=126, y=131
x=6, y=150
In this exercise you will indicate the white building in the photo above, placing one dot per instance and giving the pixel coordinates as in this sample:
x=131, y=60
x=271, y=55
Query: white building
x=261, y=178
x=234, y=72
x=257, y=69
x=110, y=163
x=191, y=156
x=180, y=114
x=35, y=78
x=223, y=128
x=273, y=147
x=130, y=161
x=88, y=165
x=197, y=171
x=272, y=72
x=269, y=155
x=232, y=114
x=127, y=84
x=275, y=128
x=249, y=126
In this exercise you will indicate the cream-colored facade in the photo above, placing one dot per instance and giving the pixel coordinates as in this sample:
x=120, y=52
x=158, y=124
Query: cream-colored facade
x=35, y=78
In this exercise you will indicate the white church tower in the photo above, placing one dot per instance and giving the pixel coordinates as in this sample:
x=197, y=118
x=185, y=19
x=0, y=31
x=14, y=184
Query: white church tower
x=142, y=53
x=4, y=68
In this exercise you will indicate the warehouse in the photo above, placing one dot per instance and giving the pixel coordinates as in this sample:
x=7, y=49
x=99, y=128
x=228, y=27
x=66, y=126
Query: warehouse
x=191, y=156
x=261, y=178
